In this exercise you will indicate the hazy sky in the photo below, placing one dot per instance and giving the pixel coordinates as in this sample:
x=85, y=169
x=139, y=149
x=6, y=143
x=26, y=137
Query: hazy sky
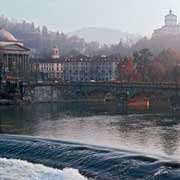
x=135, y=16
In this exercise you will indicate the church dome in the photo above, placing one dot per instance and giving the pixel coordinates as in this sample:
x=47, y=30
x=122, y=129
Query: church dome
x=6, y=36
x=170, y=14
x=171, y=19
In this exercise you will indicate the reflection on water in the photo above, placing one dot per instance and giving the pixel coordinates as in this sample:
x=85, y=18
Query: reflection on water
x=98, y=124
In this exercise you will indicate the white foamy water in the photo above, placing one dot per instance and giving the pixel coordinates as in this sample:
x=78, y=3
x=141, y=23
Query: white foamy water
x=11, y=169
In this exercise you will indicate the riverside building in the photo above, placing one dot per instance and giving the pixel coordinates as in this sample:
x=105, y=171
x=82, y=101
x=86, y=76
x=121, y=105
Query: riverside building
x=77, y=69
x=14, y=56
x=83, y=68
x=48, y=68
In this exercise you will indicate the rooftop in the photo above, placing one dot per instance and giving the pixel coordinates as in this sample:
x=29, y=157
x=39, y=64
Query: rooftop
x=6, y=36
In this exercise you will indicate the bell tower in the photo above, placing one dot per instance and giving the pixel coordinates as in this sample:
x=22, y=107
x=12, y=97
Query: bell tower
x=55, y=53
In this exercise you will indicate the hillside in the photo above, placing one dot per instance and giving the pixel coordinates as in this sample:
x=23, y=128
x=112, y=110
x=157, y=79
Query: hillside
x=106, y=36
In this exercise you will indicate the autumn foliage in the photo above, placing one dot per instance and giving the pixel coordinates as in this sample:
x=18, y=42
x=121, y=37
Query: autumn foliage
x=143, y=66
x=127, y=70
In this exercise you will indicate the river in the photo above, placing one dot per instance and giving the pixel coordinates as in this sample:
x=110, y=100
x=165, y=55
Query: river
x=94, y=141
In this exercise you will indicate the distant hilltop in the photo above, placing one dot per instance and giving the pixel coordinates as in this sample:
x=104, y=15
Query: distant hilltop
x=106, y=35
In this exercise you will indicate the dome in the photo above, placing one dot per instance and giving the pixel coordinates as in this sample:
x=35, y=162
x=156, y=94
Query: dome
x=170, y=14
x=6, y=36
x=171, y=19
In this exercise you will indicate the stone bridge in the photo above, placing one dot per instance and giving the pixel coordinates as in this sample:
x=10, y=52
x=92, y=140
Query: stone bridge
x=118, y=91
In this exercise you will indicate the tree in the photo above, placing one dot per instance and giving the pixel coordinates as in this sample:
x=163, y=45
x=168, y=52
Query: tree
x=73, y=53
x=168, y=60
x=127, y=70
x=157, y=71
x=92, y=48
x=38, y=29
x=143, y=60
x=44, y=31
x=32, y=27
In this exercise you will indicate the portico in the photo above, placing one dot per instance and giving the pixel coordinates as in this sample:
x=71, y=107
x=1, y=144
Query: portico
x=14, y=56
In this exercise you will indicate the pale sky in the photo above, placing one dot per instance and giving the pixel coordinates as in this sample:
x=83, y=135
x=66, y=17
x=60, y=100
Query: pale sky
x=134, y=16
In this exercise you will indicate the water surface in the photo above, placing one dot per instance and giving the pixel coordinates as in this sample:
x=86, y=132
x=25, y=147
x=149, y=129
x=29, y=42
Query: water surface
x=145, y=142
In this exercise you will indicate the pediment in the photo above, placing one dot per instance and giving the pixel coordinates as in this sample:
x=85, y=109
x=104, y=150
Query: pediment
x=14, y=47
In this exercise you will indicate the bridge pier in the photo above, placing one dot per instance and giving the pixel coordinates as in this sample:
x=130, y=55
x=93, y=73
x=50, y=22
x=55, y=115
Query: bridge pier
x=175, y=103
x=122, y=103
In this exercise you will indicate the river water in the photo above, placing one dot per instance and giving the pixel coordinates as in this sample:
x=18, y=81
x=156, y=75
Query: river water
x=81, y=141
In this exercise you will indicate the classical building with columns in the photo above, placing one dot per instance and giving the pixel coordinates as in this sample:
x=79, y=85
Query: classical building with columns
x=14, y=56
x=171, y=27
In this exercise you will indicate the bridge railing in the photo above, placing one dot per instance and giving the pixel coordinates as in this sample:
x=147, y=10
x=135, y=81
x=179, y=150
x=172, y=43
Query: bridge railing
x=166, y=85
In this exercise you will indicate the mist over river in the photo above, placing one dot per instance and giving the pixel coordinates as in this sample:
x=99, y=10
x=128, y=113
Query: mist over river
x=95, y=141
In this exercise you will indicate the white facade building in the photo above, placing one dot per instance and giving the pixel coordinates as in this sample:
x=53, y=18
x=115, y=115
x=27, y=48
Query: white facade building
x=48, y=69
x=171, y=27
x=84, y=69
x=78, y=69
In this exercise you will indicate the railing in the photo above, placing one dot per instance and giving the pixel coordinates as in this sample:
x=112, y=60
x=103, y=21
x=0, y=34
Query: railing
x=163, y=85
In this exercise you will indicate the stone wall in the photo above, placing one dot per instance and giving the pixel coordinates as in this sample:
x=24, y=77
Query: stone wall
x=94, y=92
x=50, y=94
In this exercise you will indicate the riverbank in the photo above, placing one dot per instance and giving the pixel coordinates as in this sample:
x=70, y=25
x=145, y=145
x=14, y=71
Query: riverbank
x=4, y=102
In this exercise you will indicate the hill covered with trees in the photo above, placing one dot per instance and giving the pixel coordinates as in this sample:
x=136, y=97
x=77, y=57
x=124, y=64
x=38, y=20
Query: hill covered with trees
x=107, y=35
x=41, y=40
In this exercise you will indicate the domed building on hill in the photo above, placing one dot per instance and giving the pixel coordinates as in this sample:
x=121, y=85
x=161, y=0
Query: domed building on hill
x=13, y=56
x=171, y=27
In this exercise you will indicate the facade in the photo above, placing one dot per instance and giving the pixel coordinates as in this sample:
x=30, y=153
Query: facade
x=78, y=69
x=47, y=69
x=104, y=68
x=13, y=56
x=171, y=27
